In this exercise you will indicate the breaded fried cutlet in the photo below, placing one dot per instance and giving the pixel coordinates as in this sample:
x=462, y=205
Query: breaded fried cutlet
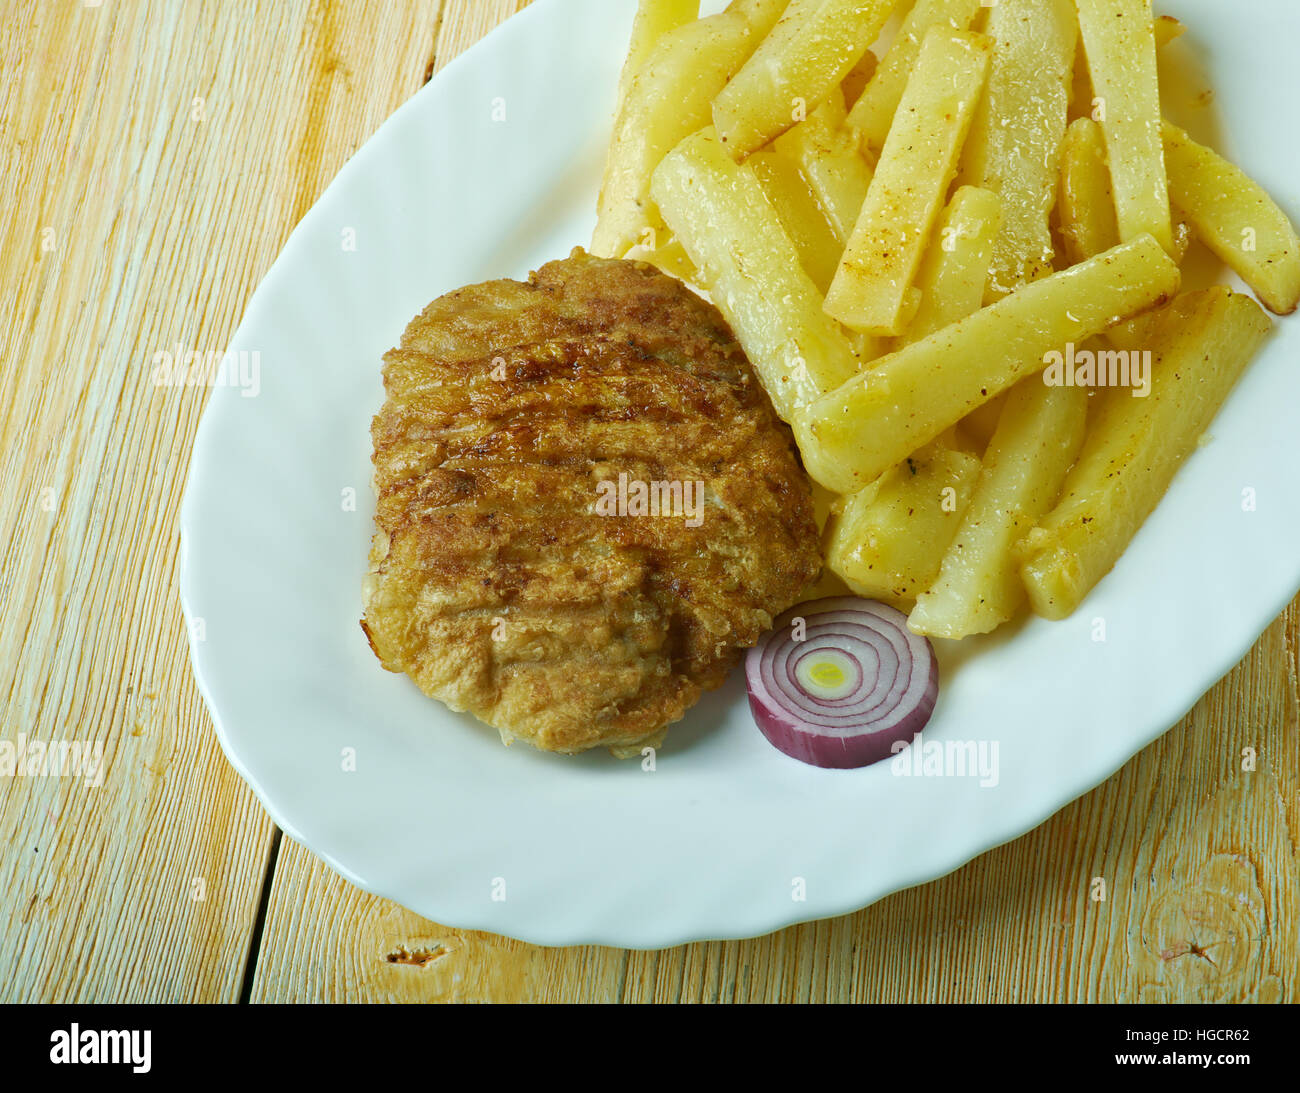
x=511, y=572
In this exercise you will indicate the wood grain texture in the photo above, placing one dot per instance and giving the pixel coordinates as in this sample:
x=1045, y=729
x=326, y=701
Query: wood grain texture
x=156, y=157
x=169, y=149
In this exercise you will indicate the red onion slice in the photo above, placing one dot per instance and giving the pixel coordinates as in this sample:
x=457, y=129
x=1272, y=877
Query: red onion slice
x=841, y=688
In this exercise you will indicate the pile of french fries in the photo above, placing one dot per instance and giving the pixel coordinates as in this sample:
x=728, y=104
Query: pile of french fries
x=904, y=238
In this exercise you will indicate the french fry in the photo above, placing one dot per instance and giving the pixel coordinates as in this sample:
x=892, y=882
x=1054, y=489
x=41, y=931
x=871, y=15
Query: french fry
x=873, y=290
x=825, y=504
x=811, y=49
x=1014, y=147
x=653, y=20
x=1166, y=28
x=982, y=422
x=670, y=256
x=859, y=76
x=865, y=347
x=1119, y=39
x=1086, y=206
x=828, y=157
x=1136, y=445
x=828, y=584
x=1133, y=334
x=788, y=192
x=888, y=540
x=1036, y=443
x=908, y=398
x=761, y=15
x=752, y=270
x=1236, y=219
x=956, y=267
x=873, y=111
x=669, y=98
x=953, y=274
x=1087, y=213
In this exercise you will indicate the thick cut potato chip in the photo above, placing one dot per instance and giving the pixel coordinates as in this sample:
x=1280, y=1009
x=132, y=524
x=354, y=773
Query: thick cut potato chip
x=1086, y=206
x=811, y=49
x=1236, y=219
x=669, y=98
x=1014, y=148
x=1119, y=39
x=828, y=157
x=769, y=157
x=670, y=256
x=1167, y=28
x=888, y=540
x=752, y=270
x=1036, y=443
x=856, y=433
x=873, y=290
x=654, y=19
x=852, y=86
x=956, y=268
x=790, y=194
x=982, y=422
x=1087, y=214
x=873, y=111
x=1201, y=344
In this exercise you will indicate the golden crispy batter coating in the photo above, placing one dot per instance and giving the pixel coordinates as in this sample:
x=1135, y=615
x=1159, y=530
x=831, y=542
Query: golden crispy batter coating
x=495, y=581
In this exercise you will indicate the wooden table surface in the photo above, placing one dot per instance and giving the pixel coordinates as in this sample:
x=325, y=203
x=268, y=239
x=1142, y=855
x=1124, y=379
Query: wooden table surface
x=157, y=154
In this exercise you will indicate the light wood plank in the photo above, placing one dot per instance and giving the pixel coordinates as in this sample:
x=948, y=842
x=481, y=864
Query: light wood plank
x=464, y=22
x=156, y=157
x=328, y=941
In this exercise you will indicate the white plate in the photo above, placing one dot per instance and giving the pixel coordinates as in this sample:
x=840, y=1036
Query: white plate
x=726, y=833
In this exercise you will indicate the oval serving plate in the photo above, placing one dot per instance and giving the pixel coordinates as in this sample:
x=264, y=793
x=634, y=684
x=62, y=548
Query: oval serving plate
x=489, y=171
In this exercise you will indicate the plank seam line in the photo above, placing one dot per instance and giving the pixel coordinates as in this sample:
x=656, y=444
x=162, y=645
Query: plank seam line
x=432, y=66
x=259, y=923
x=621, y=995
